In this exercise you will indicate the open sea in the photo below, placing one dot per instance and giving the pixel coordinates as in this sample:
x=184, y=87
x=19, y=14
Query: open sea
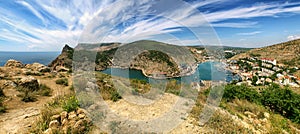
x=28, y=57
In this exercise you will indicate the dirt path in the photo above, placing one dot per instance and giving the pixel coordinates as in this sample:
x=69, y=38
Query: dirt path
x=19, y=115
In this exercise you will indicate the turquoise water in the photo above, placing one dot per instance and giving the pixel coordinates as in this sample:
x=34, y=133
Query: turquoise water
x=205, y=71
x=28, y=57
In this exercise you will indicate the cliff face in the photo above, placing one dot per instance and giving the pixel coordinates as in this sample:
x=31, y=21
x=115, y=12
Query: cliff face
x=151, y=62
x=155, y=62
x=64, y=59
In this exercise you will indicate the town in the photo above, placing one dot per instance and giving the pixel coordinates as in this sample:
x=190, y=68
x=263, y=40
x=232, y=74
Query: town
x=256, y=71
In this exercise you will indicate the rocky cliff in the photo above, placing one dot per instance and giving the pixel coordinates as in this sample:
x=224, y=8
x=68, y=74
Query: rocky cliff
x=64, y=60
x=150, y=61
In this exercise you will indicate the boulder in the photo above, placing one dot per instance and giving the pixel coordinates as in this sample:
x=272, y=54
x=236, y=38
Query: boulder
x=79, y=126
x=63, y=115
x=80, y=111
x=266, y=115
x=14, y=63
x=55, y=117
x=61, y=69
x=81, y=116
x=38, y=67
x=48, y=131
x=28, y=82
x=54, y=124
x=72, y=115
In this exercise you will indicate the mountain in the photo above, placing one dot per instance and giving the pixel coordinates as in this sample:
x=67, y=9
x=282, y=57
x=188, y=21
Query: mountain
x=146, y=55
x=64, y=59
x=287, y=53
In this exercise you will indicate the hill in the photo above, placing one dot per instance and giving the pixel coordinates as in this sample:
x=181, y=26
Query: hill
x=146, y=55
x=287, y=53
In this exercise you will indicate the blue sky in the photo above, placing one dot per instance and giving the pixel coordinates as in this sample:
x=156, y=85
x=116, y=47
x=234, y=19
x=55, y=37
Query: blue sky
x=48, y=25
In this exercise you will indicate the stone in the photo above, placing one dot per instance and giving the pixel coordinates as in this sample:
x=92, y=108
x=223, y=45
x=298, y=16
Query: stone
x=81, y=116
x=65, y=129
x=14, y=63
x=54, y=124
x=61, y=69
x=72, y=115
x=55, y=117
x=28, y=82
x=38, y=67
x=10, y=84
x=63, y=115
x=72, y=123
x=91, y=85
x=264, y=120
x=256, y=122
x=79, y=126
x=48, y=131
x=266, y=115
x=80, y=111
x=65, y=122
x=250, y=115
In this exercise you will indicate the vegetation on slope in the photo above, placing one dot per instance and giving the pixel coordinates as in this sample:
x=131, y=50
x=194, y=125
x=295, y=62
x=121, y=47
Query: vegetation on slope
x=153, y=61
x=279, y=100
x=287, y=53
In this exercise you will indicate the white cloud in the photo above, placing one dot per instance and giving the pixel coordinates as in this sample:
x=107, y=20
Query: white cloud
x=250, y=33
x=293, y=37
x=107, y=14
x=33, y=10
x=236, y=25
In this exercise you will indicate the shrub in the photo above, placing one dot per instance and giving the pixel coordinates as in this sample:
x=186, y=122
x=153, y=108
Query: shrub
x=71, y=104
x=115, y=96
x=44, y=90
x=63, y=81
x=1, y=92
x=241, y=92
x=282, y=101
x=43, y=121
x=2, y=107
x=28, y=96
x=34, y=73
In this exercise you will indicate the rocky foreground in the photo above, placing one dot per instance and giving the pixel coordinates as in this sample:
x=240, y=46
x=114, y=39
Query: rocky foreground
x=26, y=92
x=36, y=98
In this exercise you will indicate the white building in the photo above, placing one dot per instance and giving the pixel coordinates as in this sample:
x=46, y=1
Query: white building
x=267, y=60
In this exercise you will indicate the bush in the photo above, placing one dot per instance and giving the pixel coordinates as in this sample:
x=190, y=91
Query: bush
x=115, y=96
x=63, y=81
x=34, y=73
x=71, y=104
x=282, y=101
x=28, y=96
x=2, y=107
x=1, y=92
x=232, y=92
x=44, y=90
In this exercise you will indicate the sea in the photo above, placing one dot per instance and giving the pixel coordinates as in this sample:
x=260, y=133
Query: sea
x=205, y=71
x=28, y=57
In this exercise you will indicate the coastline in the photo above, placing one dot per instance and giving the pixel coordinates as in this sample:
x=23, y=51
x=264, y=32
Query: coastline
x=193, y=70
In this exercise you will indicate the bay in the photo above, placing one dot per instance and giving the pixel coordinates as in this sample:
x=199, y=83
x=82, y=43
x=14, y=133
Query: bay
x=205, y=71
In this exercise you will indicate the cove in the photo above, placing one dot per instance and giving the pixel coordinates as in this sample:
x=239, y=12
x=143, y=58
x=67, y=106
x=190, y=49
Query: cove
x=210, y=71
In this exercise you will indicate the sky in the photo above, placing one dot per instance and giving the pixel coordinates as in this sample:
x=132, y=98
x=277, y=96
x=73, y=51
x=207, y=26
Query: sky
x=29, y=25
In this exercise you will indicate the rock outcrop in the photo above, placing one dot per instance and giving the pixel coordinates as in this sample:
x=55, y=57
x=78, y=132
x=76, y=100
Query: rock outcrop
x=14, y=63
x=27, y=82
x=72, y=122
x=38, y=67
x=63, y=60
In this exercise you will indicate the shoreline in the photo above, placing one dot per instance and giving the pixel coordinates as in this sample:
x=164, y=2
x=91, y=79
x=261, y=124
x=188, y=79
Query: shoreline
x=194, y=68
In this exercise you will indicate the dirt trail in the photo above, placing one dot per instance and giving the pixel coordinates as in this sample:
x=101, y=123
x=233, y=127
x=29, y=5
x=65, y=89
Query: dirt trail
x=19, y=115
